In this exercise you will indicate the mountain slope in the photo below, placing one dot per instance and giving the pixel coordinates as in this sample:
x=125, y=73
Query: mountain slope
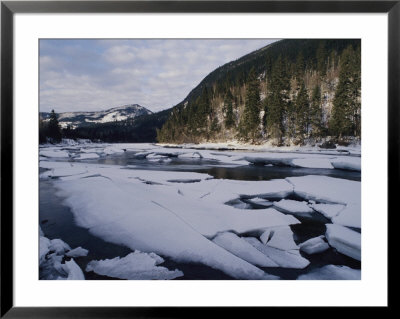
x=285, y=92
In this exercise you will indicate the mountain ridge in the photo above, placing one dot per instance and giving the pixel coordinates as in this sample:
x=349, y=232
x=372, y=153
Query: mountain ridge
x=82, y=118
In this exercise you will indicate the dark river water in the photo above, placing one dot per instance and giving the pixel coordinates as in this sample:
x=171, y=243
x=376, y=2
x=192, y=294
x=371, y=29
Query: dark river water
x=57, y=220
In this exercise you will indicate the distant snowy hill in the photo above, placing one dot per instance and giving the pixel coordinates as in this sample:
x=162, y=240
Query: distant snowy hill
x=77, y=119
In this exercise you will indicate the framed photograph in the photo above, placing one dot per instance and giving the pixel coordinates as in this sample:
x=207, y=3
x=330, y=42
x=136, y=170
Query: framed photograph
x=163, y=155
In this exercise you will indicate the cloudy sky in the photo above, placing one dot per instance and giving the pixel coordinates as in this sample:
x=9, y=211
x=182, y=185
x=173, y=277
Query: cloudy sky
x=93, y=75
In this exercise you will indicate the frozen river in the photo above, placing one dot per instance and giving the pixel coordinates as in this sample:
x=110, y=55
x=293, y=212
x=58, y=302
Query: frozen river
x=141, y=211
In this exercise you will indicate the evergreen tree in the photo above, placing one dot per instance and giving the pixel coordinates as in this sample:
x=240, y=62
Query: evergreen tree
x=302, y=110
x=53, y=129
x=229, y=120
x=300, y=66
x=277, y=100
x=346, y=104
x=250, y=121
x=321, y=58
x=42, y=131
x=316, y=116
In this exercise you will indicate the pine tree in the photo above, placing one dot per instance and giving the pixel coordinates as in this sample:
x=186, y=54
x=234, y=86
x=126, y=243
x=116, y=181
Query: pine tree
x=277, y=100
x=302, y=110
x=250, y=121
x=53, y=129
x=316, y=115
x=229, y=120
x=321, y=58
x=300, y=66
x=346, y=104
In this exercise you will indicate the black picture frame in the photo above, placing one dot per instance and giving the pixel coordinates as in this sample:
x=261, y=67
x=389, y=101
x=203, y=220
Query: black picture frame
x=9, y=8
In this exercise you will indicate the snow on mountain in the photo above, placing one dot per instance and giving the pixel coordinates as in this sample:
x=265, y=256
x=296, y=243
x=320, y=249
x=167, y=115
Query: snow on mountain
x=120, y=113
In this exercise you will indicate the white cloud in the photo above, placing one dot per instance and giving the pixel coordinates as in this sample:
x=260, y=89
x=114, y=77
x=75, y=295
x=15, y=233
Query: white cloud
x=80, y=75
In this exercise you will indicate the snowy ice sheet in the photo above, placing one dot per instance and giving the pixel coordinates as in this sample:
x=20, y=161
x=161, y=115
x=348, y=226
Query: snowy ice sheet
x=154, y=210
x=116, y=204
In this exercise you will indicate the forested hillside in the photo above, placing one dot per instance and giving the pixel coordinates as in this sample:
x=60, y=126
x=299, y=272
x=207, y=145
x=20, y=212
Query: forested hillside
x=288, y=93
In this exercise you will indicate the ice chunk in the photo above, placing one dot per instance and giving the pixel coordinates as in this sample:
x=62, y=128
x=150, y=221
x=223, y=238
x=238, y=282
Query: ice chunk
x=292, y=206
x=136, y=265
x=64, y=171
x=44, y=244
x=345, y=240
x=261, y=202
x=87, y=156
x=349, y=216
x=243, y=249
x=53, y=153
x=332, y=272
x=274, y=160
x=73, y=270
x=328, y=210
x=313, y=162
x=282, y=238
x=314, y=245
x=347, y=163
x=285, y=259
x=77, y=252
x=59, y=246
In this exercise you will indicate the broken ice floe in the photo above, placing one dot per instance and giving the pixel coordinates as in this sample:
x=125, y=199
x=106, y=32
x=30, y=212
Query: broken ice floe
x=243, y=249
x=51, y=256
x=328, y=210
x=77, y=252
x=332, y=272
x=347, y=163
x=87, y=156
x=345, y=240
x=314, y=245
x=293, y=207
x=281, y=238
x=136, y=265
x=54, y=153
x=153, y=213
x=331, y=190
x=285, y=259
